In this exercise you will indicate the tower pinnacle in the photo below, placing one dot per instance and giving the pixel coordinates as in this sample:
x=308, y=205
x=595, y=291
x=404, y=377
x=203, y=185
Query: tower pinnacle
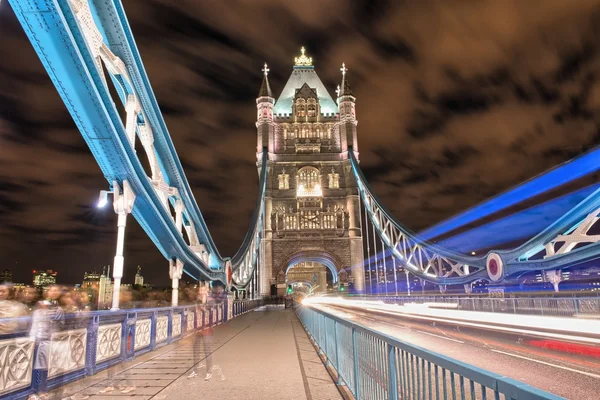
x=345, y=87
x=303, y=60
x=265, y=88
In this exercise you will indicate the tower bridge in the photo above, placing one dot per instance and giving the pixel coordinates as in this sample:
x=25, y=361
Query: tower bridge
x=317, y=223
x=311, y=193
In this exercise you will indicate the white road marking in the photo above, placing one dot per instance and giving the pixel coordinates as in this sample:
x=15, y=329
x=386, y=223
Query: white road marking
x=440, y=336
x=547, y=363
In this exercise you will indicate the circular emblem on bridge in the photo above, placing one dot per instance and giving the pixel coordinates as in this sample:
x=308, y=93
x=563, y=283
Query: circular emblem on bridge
x=495, y=267
x=228, y=272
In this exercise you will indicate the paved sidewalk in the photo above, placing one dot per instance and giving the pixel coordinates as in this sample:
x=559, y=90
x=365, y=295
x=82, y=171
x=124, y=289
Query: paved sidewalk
x=264, y=354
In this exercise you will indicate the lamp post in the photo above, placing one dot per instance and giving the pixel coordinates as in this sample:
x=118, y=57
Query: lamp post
x=123, y=205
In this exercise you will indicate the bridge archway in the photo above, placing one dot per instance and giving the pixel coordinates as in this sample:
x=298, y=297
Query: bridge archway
x=322, y=257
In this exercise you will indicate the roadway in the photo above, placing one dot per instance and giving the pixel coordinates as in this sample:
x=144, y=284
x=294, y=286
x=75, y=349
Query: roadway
x=573, y=376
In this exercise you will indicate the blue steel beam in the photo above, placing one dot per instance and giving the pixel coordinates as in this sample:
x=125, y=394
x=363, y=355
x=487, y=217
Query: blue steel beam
x=56, y=38
x=554, y=178
x=113, y=24
x=517, y=227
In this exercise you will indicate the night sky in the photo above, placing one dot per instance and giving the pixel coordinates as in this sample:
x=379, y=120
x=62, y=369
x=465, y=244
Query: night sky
x=457, y=100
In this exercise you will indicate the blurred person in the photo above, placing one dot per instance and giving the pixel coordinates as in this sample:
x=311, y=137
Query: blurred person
x=68, y=302
x=10, y=309
x=124, y=385
x=29, y=298
x=202, y=292
x=203, y=339
x=47, y=319
x=84, y=300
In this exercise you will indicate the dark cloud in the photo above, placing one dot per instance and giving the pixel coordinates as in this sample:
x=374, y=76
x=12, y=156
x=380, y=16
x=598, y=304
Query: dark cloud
x=456, y=101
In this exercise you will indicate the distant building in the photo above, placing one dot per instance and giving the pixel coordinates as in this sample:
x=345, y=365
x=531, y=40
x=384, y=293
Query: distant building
x=44, y=278
x=139, y=279
x=105, y=289
x=6, y=276
x=90, y=279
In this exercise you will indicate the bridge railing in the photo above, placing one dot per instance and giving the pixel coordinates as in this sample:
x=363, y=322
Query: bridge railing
x=549, y=306
x=376, y=366
x=89, y=342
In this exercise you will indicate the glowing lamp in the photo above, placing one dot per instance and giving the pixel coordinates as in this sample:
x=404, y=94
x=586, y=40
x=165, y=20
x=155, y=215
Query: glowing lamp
x=103, y=198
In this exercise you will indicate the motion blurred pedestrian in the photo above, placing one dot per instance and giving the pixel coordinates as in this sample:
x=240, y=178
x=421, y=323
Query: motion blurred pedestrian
x=10, y=309
x=47, y=319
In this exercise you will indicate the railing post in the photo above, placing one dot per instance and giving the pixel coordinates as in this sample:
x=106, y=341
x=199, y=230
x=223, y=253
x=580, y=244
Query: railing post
x=153, y=322
x=170, y=326
x=92, y=343
x=392, y=373
x=326, y=334
x=129, y=339
x=337, y=353
x=355, y=358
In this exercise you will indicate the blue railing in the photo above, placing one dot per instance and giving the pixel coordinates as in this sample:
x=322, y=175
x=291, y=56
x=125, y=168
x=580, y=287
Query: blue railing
x=376, y=366
x=93, y=341
x=548, y=306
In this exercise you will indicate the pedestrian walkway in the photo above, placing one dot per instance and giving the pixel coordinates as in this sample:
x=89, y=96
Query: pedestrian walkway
x=264, y=354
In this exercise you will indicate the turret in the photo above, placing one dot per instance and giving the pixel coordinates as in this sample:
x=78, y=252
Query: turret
x=347, y=106
x=264, y=117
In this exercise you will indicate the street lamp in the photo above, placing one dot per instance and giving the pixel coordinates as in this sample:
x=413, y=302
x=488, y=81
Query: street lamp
x=103, y=198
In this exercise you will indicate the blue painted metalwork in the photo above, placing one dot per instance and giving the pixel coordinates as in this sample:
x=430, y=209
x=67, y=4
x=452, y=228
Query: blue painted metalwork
x=556, y=177
x=388, y=368
x=519, y=226
x=126, y=323
x=455, y=268
x=61, y=45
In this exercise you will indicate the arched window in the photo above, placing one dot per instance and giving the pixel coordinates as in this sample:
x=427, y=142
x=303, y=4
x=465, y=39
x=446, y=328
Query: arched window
x=309, y=182
x=312, y=110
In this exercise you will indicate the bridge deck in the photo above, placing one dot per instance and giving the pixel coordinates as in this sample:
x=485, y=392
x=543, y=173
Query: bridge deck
x=264, y=354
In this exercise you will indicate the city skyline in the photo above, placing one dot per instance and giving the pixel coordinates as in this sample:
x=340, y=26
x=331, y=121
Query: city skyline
x=29, y=281
x=447, y=117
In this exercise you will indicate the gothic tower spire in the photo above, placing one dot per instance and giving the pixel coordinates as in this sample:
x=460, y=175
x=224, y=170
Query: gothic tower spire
x=264, y=117
x=265, y=88
x=345, y=87
x=346, y=103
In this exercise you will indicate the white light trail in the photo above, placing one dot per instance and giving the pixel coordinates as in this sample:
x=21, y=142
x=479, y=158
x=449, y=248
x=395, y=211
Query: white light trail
x=560, y=328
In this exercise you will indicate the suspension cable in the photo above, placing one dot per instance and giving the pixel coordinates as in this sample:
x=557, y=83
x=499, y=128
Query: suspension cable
x=384, y=266
x=376, y=259
x=368, y=252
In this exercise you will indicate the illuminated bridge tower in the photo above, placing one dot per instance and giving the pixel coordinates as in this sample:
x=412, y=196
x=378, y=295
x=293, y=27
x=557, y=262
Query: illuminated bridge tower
x=312, y=219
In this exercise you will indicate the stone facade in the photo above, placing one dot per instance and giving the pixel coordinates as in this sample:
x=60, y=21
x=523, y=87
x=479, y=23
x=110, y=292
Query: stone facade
x=311, y=204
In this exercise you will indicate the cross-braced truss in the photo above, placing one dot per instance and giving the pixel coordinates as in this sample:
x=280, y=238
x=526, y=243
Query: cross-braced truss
x=565, y=243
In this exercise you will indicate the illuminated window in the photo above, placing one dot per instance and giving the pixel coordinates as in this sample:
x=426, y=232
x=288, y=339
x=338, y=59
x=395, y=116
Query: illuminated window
x=301, y=108
x=312, y=110
x=334, y=179
x=308, y=182
x=284, y=180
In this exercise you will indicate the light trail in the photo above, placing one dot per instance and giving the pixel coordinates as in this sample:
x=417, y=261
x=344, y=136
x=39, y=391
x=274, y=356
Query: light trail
x=547, y=363
x=566, y=329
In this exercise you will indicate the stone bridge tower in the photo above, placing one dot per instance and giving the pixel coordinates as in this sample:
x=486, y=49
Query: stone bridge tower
x=311, y=204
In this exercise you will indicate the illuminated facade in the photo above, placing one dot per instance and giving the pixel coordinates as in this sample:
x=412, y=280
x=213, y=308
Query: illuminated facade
x=90, y=279
x=312, y=203
x=44, y=278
